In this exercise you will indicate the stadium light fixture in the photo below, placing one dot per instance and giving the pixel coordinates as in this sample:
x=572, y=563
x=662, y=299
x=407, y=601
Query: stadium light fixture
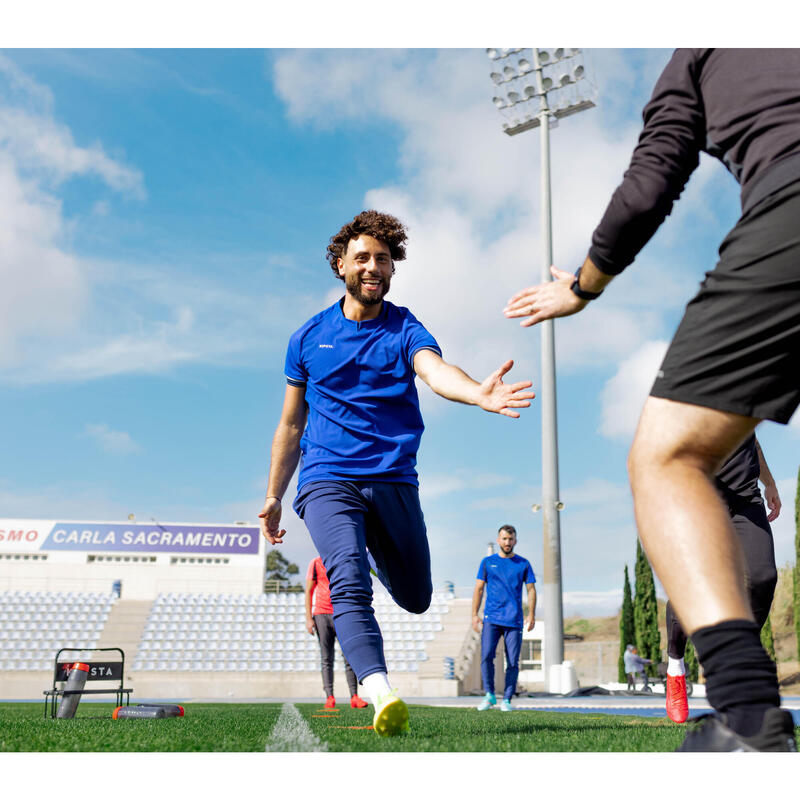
x=556, y=74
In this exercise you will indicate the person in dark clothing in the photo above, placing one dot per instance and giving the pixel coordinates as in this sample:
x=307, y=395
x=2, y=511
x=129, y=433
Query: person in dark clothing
x=737, y=483
x=732, y=362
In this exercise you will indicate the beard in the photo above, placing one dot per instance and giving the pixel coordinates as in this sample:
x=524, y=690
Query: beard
x=353, y=285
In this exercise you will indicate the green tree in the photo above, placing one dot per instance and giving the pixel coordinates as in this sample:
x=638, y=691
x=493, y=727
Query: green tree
x=767, y=641
x=796, y=570
x=279, y=571
x=691, y=663
x=645, y=611
x=626, y=628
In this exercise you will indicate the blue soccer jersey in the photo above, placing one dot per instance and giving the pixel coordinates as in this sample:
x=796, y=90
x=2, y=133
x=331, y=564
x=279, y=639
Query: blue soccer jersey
x=504, y=578
x=363, y=411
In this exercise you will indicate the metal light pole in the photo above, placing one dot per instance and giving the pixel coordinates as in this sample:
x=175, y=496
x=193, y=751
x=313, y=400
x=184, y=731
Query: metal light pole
x=516, y=78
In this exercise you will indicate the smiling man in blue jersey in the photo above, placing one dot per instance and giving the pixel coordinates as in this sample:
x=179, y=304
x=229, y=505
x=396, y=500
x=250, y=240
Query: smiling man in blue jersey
x=503, y=574
x=351, y=411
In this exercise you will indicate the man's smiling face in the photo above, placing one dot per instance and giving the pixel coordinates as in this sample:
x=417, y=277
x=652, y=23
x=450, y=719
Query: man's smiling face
x=366, y=267
x=507, y=541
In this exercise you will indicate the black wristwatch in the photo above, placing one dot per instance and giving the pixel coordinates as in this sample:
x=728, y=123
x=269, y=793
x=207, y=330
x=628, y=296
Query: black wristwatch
x=582, y=293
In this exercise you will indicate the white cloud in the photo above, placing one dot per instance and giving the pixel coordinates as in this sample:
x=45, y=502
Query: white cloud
x=624, y=394
x=44, y=146
x=45, y=288
x=109, y=440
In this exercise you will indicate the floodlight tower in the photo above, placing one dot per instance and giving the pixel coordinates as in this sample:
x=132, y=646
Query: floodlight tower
x=524, y=77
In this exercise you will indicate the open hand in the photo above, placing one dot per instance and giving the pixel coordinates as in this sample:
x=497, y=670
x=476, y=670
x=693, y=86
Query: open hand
x=545, y=301
x=499, y=397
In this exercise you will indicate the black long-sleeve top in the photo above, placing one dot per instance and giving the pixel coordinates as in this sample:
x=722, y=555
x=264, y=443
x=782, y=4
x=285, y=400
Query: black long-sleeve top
x=740, y=105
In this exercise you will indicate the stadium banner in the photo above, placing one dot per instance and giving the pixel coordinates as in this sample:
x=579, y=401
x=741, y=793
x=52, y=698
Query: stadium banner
x=26, y=536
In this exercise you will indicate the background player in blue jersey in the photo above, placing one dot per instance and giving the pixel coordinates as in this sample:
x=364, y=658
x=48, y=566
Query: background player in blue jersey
x=351, y=411
x=503, y=574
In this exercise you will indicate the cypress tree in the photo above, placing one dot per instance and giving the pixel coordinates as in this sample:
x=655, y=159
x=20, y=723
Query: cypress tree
x=796, y=570
x=691, y=663
x=645, y=611
x=627, y=634
x=767, y=641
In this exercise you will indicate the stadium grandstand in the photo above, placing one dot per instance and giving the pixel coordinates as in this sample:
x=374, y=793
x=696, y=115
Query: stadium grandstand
x=187, y=605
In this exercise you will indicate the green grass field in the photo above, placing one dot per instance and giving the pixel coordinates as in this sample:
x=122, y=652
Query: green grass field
x=230, y=727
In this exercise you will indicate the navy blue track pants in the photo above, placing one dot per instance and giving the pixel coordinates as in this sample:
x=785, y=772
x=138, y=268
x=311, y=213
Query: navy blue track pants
x=512, y=640
x=349, y=519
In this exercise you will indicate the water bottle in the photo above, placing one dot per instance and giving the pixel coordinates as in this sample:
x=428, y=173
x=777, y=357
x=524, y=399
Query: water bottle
x=171, y=710
x=138, y=712
x=76, y=680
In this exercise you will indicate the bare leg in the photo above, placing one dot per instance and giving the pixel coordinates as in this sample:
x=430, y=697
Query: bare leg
x=684, y=526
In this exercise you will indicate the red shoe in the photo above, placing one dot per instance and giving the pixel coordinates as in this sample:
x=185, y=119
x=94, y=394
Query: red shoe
x=357, y=702
x=330, y=702
x=677, y=704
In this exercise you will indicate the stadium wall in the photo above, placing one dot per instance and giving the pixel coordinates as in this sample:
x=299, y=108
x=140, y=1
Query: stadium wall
x=148, y=558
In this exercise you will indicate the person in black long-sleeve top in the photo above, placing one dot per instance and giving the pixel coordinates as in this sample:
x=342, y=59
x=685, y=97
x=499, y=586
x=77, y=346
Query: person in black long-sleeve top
x=733, y=361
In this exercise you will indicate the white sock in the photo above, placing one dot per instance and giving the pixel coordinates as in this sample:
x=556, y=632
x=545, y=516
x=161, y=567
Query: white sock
x=376, y=685
x=675, y=666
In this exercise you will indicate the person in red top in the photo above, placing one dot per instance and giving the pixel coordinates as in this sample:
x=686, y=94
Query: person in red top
x=319, y=620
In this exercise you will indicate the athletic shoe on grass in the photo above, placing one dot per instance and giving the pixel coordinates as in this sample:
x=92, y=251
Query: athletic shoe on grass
x=357, y=702
x=677, y=703
x=505, y=705
x=711, y=734
x=489, y=701
x=330, y=702
x=391, y=715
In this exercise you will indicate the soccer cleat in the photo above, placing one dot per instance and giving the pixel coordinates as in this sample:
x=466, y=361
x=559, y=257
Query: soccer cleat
x=711, y=734
x=505, y=705
x=391, y=715
x=677, y=703
x=489, y=701
x=357, y=702
x=330, y=702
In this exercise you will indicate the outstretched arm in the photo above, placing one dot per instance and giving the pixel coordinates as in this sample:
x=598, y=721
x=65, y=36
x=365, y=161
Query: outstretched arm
x=556, y=298
x=283, y=463
x=453, y=383
x=770, y=489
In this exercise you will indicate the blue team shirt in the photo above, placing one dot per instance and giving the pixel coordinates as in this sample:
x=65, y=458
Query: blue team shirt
x=504, y=579
x=363, y=411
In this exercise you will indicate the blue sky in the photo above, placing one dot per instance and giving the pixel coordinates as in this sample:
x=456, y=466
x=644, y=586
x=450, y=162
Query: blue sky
x=163, y=222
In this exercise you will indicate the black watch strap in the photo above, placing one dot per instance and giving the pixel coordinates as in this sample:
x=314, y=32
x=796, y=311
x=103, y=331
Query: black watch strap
x=582, y=293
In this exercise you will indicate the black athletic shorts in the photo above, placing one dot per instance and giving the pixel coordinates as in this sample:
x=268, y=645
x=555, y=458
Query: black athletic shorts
x=737, y=348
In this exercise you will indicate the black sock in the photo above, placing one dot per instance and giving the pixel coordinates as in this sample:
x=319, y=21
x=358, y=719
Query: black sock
x=741, y=680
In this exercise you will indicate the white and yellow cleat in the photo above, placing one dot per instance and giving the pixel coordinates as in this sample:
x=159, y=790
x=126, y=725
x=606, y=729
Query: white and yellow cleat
x=391, y=715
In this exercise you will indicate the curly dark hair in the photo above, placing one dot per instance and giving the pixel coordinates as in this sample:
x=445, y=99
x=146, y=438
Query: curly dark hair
x=383, y=227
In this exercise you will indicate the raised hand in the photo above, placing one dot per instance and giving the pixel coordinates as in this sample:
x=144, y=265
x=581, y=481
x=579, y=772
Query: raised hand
x=498, y=397
x=545, y=301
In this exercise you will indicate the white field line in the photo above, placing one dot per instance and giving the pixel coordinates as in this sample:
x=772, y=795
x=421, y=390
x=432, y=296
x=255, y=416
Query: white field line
x=291, y=734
